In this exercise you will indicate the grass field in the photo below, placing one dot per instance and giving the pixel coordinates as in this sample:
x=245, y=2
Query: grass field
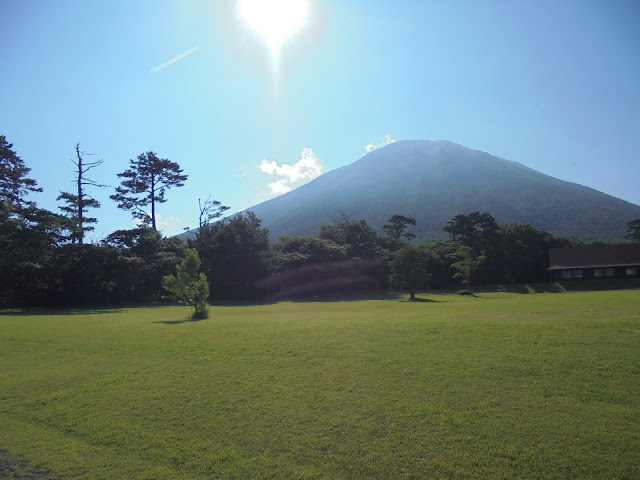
x=503, y=385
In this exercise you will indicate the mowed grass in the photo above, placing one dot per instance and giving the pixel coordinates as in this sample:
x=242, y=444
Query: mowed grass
x=500, y=386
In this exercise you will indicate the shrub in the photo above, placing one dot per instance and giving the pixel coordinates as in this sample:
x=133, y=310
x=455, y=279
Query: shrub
x=188, y=287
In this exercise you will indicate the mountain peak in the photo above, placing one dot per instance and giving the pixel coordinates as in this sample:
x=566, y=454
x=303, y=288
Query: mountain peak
x=434, y=180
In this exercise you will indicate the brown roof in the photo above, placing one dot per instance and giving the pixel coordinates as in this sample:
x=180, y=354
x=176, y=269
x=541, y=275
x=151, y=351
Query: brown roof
x=594, y=257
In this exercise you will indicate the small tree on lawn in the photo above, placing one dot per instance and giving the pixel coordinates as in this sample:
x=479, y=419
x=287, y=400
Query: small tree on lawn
x=187, y=287
x=467, y=265
x=408, y=270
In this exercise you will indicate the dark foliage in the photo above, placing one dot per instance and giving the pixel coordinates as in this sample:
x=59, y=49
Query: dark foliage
x=397, y=226
x=357, y=236
x=408, y=270
x=148, y=257
x=525, y=254
x=475, y=230
x=30, y=239
x=234, y=256
x=633, y=230
x=29, y=236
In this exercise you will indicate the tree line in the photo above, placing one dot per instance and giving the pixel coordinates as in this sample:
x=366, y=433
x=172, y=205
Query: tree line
x=45, y=259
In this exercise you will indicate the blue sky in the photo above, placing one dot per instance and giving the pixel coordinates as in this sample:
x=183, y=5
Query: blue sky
x=552, y=85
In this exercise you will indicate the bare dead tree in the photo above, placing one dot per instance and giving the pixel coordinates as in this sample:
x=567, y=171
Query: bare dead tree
x=78, y=204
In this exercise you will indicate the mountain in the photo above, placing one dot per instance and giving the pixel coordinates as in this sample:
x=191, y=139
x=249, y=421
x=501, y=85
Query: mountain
x=435, y=180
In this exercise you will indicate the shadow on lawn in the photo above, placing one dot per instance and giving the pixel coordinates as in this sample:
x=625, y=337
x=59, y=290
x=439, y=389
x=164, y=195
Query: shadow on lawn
x=178, y=322
x=321, y=297
x=27, y=312
x=418, y=300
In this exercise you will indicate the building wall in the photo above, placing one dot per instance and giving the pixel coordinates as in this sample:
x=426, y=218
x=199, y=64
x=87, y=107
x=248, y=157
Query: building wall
x=595, y=273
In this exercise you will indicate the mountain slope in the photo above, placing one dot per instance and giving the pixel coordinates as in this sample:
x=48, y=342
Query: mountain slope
x=433, y=181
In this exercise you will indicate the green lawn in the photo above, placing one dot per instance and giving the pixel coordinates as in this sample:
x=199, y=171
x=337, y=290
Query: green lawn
x=503, y=385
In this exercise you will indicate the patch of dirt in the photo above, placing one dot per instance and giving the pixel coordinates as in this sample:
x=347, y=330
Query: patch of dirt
x=12, y=468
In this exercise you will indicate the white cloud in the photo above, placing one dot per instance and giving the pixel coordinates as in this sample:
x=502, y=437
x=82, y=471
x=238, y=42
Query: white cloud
x=241, y=175
x=370, y=147
x=307, y=168
x=293, y=175
x=278, y=187
x=175, y=59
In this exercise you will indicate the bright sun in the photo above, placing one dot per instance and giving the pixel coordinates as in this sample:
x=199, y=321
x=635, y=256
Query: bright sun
x=275, y=20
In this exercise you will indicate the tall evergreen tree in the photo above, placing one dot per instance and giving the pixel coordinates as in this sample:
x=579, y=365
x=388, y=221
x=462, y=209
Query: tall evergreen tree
x=14, y=184
x=397, y=226
x=475, y=230
x=78, y=204
x=28, y=234
x=358, y=236
x=145, y=183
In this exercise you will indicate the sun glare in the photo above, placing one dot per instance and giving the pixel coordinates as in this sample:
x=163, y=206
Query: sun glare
x=274, y=20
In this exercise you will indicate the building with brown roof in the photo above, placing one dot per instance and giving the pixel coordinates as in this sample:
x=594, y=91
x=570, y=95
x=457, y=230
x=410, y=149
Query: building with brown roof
x=598, y=262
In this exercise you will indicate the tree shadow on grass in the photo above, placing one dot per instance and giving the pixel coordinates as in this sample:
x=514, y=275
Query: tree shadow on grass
x=418, y=300
x=178, y=322
x=241, y=303
x=347, y=296
x=318, y=297
x=29, y=312
x=78, y=309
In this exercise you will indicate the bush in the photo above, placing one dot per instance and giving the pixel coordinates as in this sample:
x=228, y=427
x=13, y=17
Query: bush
x=465, y=291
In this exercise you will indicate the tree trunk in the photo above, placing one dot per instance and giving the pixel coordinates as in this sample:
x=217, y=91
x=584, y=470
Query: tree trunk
x=80, y=202
x=153, y=204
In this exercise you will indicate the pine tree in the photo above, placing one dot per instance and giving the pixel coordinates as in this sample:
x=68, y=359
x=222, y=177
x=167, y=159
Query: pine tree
x=397, y=226
x=14, y=184
x=145, y=183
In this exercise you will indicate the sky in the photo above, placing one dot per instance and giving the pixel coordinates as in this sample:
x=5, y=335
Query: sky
x=252, y=102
